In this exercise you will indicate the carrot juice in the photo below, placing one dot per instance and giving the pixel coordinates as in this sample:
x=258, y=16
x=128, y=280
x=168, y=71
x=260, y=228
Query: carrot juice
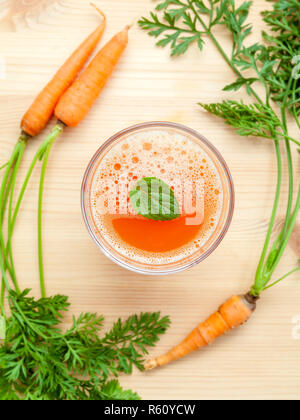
x=155, y=151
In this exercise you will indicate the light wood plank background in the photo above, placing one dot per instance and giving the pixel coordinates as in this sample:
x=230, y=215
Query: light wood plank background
x=261, y=360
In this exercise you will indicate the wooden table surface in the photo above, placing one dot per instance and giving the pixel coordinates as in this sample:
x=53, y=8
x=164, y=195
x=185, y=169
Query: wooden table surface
x=262, y=359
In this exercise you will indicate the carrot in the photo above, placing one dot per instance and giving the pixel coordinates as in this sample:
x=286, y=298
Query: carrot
x=39, y=113
x=75, y=104
x=232, y=314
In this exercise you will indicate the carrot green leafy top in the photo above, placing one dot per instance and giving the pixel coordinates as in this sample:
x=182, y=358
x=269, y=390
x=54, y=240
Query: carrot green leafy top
x=39, y=361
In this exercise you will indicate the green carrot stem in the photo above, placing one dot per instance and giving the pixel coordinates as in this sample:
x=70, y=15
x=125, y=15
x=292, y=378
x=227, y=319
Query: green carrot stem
x=38, y=156
x=12, y=221
x=13, y=216
x=3, y=205
x=5, y=281
x=2, y=294
x=22, y=192
x=5, y=199
x=289, y=160
x=14, y=178
x=281, y=241
x=3, y=166
x=4, y=193
x=259, y=280
x=10, y=208
x=290, y=229
x=275, y=250
x=295, y=101
x=5, y=256
x=282, y=278
x=287, y=137
x=52, y=137
x=8, y=185
x=5, y=180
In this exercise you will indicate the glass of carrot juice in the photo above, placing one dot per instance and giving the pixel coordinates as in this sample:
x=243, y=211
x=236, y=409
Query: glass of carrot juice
x=189, y=166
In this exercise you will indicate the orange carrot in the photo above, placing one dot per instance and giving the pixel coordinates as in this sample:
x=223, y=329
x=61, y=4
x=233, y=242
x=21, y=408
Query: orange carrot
x=75, y=104
x=232, y=314
x=38, y=115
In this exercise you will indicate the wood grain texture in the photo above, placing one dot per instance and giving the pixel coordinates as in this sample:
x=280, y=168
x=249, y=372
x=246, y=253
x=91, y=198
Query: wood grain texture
x=261, y=360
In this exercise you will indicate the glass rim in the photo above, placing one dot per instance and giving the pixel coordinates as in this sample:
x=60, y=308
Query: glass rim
x=215, y=152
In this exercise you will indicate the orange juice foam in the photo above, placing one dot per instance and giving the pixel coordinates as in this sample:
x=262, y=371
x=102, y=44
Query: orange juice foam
x=174, y=158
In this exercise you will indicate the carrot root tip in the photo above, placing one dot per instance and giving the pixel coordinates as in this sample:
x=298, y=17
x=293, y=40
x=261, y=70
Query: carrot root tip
x=151, y=364
x=128, y=27
x=98, y=10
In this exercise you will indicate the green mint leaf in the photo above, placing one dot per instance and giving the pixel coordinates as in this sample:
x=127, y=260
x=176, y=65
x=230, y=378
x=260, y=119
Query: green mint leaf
x=154, y=199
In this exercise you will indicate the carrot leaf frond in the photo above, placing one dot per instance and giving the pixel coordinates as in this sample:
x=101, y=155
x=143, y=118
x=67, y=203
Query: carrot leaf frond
x=250, y=120
x=39, y=361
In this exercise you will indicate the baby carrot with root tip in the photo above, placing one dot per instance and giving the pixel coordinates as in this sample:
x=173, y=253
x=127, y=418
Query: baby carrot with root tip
x=232, y=314
x=75, y=104
x=39, y=113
